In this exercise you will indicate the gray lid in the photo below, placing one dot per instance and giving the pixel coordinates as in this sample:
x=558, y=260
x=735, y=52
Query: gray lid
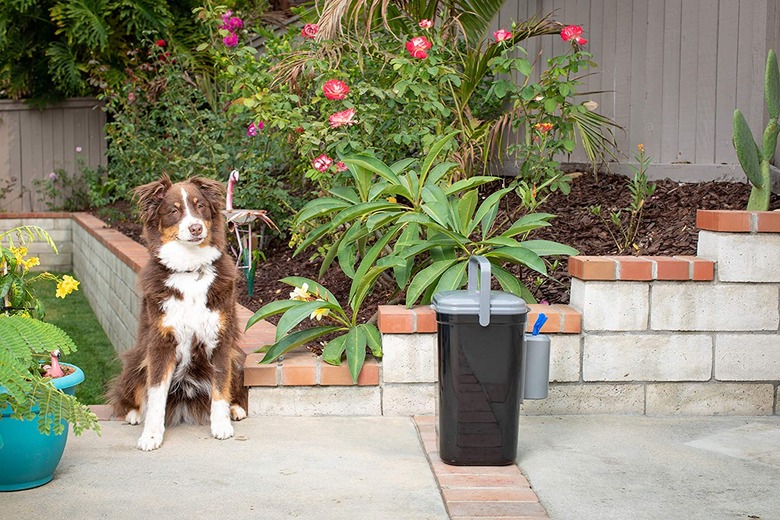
x=467, y=302
x=482, y=301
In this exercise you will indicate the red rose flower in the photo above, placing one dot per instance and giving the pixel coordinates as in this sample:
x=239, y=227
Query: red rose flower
x=160, y=43
x=322, y=163
x=342, y=118
x=573, y=32
x=310, y=30
x=335, y=89
x=417, y=47
x=502, y=35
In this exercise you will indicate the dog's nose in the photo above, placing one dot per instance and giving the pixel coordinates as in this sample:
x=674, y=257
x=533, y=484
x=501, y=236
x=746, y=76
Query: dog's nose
x=196, y=229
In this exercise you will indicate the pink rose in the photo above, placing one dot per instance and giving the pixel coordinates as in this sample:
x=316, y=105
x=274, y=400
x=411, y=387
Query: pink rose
x=342, y=118
x=231, y=40
x=335, y=89
x=426, y=24
x=235, y=23
x=417, y=47
x=322, y=163
x=253, y=128
x=573, y=32
x=502, y=35
x=310, y=30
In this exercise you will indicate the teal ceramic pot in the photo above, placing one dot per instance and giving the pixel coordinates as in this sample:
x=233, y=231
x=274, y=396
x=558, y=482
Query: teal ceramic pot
x=27, y=457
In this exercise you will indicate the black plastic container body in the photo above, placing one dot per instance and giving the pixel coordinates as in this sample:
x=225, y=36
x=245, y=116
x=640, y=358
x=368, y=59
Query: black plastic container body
x=480, y=388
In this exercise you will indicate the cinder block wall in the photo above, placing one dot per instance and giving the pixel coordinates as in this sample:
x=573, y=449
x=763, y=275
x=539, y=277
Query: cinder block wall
x=58, y=225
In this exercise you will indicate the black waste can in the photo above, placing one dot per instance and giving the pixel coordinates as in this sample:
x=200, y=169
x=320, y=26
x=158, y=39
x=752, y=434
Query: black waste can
x=481, y=369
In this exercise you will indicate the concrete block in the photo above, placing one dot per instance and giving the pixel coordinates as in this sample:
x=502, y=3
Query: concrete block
x=611, y=305
x=315, y=400
x=710, y=399
x=564, y=357
x=647, y=357
x=568, y=399
x=409, y=358
x=747, y=357
x=718, y=307
x=742, y=257
x=409, y=399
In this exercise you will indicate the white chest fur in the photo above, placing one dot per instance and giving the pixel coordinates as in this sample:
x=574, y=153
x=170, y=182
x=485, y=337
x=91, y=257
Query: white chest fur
x=188, y=316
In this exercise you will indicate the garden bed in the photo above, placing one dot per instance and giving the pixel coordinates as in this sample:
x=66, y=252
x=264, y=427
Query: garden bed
x=668, y=228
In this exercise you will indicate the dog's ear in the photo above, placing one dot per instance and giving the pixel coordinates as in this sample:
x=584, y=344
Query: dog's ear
x=150, y=196
x=214, y=191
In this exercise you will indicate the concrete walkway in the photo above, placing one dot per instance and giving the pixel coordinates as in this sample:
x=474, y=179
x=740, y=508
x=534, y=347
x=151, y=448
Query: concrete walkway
x=637, y=468
x=581, y=467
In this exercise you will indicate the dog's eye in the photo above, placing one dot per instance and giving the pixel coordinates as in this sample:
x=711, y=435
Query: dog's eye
x=201, y=205
x=174, y=210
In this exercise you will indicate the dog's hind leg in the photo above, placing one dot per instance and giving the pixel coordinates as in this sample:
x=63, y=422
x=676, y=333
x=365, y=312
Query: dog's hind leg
x=156, y=397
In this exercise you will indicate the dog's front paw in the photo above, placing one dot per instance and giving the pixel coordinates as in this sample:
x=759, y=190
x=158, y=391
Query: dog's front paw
x=150, y=440
x=133, y=417
x=237, y=413
x=221, y=429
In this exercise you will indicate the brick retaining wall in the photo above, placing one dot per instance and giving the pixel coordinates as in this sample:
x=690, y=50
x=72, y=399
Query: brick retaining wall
x=643, y=335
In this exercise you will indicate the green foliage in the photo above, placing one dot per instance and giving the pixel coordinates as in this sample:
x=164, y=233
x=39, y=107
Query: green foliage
x=405, y=217
x=169, y=118
x=453, y=88
x=755, y=160
x=312, y=300
x=95, y=356
x=52, y=49
x=61, y=191
x=24, y=340
x=623, y=224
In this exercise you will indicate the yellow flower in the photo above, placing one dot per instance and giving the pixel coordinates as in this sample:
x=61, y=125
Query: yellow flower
x=67, y=285
x=19, y=253
x=640, y=147
x=392, y=200
x=301, y=293
x=319, y=314
x=31, y=262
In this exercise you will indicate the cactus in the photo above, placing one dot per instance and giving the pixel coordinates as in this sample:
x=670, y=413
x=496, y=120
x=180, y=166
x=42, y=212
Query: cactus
x=755, y=161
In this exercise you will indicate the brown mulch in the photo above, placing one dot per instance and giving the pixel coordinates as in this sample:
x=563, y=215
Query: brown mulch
x=668, y=228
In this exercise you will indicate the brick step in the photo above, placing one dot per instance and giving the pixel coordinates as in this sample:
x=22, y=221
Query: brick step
x=641, y=268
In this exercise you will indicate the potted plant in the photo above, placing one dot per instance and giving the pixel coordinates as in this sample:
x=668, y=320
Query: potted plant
x=37, y=400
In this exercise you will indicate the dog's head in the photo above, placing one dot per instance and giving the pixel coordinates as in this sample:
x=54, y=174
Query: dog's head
x=189, y=212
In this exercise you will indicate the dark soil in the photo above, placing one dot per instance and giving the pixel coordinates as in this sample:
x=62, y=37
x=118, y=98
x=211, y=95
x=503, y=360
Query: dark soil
x=668, y=228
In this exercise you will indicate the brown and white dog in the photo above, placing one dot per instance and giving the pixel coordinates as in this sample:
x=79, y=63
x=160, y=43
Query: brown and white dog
x=186, y=365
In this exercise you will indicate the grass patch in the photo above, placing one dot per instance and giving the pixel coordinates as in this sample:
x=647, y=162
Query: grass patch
x=95, y=355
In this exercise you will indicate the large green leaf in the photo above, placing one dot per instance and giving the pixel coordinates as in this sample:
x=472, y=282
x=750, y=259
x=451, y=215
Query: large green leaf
x=519, y=255
x=296, y=339
x=488, y=206
x=373, y=338
x=375, y=165
x=467, y=184
x=270, y=309
x=371, y=256
x=528, y=223
x=297, y=314
x=433, y=155
x=313, y=236
x=319, y=208
x=511, y=284
x=548, y=247
x=426, y=278
x=333, y=351
x=360, y=211
x=453, y=278
x=355, y=343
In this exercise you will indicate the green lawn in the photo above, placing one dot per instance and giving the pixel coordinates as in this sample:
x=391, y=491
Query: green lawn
x=95, y=356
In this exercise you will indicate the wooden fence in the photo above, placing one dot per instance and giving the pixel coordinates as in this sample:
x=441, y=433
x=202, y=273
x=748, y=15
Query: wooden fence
x=34, y=143
x=671, y=71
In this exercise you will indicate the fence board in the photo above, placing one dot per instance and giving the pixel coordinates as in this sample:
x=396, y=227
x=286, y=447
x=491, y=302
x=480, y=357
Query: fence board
x=33, y=143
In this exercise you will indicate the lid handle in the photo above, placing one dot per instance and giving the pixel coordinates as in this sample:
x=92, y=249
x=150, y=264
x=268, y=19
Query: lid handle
x=483, y=264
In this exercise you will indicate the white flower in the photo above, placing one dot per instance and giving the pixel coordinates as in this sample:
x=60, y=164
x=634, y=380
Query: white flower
x=319, y=313
x=590, y=105
x=78, y=149
x=301, y=293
